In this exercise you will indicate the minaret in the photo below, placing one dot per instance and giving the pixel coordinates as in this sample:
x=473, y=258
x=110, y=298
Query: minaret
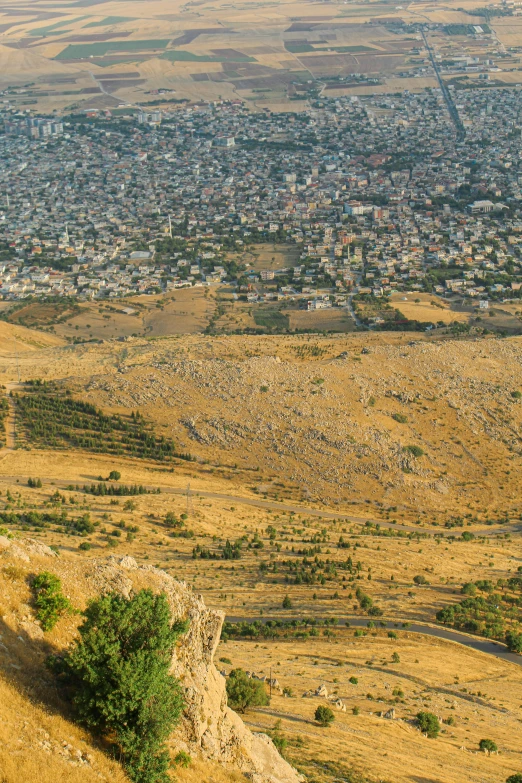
x=170, y=227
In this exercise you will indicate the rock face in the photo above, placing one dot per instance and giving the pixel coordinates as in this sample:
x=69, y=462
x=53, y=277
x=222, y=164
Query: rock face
x=209, y=729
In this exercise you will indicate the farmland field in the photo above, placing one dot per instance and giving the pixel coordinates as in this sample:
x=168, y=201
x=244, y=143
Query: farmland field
x=377, y=42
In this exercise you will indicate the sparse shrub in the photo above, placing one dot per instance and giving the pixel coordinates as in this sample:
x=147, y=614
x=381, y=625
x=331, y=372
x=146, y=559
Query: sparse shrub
x=449, y=721
x=171, y=520
x=119, y=680
x=396, y=658
x=278, y=738
x=354, y=680
x=50, y=602
x=355, y=710
x=392, y=635
x=415, y=451
x=324, y=715
x=244, y=692
x=182, y=759
x=420, y=580
x=226, y=660
x=84, y=546
x=516, y=395
x=400, y=417
x=428, y=724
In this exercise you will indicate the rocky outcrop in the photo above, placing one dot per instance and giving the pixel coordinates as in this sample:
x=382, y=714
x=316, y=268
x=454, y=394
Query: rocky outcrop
x=209, y=729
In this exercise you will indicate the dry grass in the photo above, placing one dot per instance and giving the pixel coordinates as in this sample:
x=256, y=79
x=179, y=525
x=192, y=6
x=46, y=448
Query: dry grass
x=254, y=28
x=431, y=675
x=426, y=307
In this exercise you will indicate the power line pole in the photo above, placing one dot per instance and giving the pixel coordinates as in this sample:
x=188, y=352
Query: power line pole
x=190, y=507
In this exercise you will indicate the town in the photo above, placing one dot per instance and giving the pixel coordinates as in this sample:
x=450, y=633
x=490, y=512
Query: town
x=380, y=194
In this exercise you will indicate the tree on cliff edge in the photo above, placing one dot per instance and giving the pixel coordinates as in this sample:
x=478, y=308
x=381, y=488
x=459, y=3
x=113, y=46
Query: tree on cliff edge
x=118, y=679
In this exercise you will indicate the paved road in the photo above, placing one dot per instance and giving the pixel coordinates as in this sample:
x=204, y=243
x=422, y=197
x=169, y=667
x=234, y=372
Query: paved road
x=452, y=109
x=497, y=649
x=273, y=505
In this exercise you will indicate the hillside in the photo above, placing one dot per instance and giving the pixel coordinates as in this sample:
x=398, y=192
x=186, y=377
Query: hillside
x=337, y=419
x=36, y=722
x=14, y=338
x=260, y=505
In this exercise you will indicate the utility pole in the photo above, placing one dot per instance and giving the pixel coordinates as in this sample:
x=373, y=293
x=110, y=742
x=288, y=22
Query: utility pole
x=190, y=508
x=170, y=227
x=18, y=365
x=270, y=682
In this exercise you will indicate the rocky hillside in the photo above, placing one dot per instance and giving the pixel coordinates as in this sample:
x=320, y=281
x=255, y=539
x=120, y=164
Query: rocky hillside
x=35, y=723
x=422, y=424
x=425, y=424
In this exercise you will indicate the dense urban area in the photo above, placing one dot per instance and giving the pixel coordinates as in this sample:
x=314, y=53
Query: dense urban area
x=381, y=194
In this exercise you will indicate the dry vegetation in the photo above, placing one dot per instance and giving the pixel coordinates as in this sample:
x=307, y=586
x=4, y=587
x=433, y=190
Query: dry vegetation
x=282, y=428
x=431, y=675
x=219, y=49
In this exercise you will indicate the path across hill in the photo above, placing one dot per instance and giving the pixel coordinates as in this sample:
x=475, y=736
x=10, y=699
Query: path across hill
x=273, y=505
x=497, y=649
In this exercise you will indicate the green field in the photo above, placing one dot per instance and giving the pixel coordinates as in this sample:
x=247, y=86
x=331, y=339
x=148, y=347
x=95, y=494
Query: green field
x=85, y=51
x=352, y=49
x=51, y=27
x=183, y=56
x=298, y=47
x=110, y=20
x=270, y=318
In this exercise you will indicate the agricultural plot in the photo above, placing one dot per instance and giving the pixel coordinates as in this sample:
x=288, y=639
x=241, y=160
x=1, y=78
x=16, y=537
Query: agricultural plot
x=85, y=51
x=109, y=21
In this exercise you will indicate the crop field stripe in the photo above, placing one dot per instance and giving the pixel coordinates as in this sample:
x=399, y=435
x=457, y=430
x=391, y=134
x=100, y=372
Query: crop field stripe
x=49, y=28
x=84, y=51
x=182, y=56
x=110, y=20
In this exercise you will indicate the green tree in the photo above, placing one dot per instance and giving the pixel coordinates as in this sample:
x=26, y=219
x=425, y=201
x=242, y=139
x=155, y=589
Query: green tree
x=49, y=600
x=287, y=603
x=114, y=475
x=516, y=778
x=118, y=675
x=243, y=692
x=514, y=641
x=428, y=724
x=324, y=715
x=488, y=746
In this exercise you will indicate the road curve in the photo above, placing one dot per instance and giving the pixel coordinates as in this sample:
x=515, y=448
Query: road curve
x=478, y=643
